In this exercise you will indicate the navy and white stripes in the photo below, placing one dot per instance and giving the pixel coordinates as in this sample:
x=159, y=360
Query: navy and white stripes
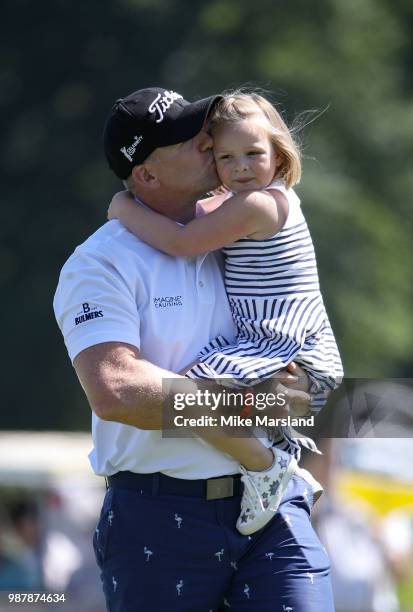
x=280, y=266
x=278, y=309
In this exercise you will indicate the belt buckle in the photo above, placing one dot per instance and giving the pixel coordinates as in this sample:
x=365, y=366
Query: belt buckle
x=218, y=488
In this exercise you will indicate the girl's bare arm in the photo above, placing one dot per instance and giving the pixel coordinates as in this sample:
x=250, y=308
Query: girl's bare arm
x=244, y=214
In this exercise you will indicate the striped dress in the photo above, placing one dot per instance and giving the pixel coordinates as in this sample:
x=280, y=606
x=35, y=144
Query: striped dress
x=274, y=295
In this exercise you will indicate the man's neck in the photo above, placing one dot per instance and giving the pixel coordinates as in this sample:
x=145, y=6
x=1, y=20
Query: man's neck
x=182, y=213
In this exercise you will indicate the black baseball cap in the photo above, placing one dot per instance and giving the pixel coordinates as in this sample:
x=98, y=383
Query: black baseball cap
x=148, y=119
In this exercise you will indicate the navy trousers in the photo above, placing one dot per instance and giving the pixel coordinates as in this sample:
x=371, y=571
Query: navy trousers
x=172, y=553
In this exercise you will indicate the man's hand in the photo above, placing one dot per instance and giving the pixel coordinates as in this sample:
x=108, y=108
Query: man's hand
x=298, y=401
x=294, y=384
x=303, y=382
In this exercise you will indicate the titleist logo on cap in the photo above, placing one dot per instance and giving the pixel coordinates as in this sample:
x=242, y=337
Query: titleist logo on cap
x=130, y=151
x=149, y=119
x=161, y=104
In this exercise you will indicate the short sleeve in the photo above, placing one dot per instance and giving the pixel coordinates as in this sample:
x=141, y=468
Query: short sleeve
x=95, y=303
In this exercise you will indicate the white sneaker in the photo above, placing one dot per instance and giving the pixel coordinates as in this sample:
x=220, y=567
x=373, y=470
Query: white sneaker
x=263, y=492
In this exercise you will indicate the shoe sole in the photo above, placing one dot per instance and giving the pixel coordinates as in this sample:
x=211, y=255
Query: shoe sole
x=316, y=487
x=266, y=516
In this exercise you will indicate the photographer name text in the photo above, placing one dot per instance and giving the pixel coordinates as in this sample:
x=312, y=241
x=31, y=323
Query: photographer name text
x=259, y=420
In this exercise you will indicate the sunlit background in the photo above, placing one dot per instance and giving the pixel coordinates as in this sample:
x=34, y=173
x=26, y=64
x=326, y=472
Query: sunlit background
x=62, y=65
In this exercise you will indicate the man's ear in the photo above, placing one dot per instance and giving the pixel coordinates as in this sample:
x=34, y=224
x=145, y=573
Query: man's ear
x=144, y=176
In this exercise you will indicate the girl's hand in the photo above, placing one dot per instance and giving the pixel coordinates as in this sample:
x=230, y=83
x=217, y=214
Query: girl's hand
x=116, y=203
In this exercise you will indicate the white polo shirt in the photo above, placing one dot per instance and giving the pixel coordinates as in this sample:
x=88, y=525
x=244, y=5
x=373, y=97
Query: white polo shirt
x=117, y=288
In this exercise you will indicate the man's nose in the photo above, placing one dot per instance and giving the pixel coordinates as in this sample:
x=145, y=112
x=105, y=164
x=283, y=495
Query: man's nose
x=204, y=141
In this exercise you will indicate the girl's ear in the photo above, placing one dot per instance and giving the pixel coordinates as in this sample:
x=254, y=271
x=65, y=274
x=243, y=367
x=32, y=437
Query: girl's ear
x=144, y=176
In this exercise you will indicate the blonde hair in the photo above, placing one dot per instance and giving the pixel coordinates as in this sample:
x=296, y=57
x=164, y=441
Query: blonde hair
x=237, y=106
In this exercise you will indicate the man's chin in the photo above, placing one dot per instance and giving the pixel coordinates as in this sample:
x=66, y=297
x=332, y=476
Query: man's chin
x=214, y=182
x=208, y=181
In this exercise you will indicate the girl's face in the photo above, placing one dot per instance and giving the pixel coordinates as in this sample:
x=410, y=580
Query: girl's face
x=244, y=155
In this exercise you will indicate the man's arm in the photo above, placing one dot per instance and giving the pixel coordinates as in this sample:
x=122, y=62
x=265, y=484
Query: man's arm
x=122, y=387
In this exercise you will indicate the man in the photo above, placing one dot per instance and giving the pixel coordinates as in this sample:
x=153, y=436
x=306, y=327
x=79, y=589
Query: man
x=132, y=317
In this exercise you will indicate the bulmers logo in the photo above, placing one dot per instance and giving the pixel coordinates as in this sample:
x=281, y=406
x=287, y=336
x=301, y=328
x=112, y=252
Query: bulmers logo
x=87, y=313
x=168, y=301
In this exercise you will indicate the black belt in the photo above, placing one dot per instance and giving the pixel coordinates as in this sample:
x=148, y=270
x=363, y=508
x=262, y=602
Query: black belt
x=160, y=484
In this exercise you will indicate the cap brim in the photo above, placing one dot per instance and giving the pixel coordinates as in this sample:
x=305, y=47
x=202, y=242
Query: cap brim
x=191, y=120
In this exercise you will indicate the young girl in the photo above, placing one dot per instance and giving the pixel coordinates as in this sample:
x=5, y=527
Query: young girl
x=270, y=276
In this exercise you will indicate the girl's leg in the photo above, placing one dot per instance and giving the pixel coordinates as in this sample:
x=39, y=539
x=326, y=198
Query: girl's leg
x=249, y=452
x=266, y=474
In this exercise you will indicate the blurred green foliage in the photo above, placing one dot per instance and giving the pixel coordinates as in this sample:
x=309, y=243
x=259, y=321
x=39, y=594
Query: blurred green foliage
x=62, y=65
